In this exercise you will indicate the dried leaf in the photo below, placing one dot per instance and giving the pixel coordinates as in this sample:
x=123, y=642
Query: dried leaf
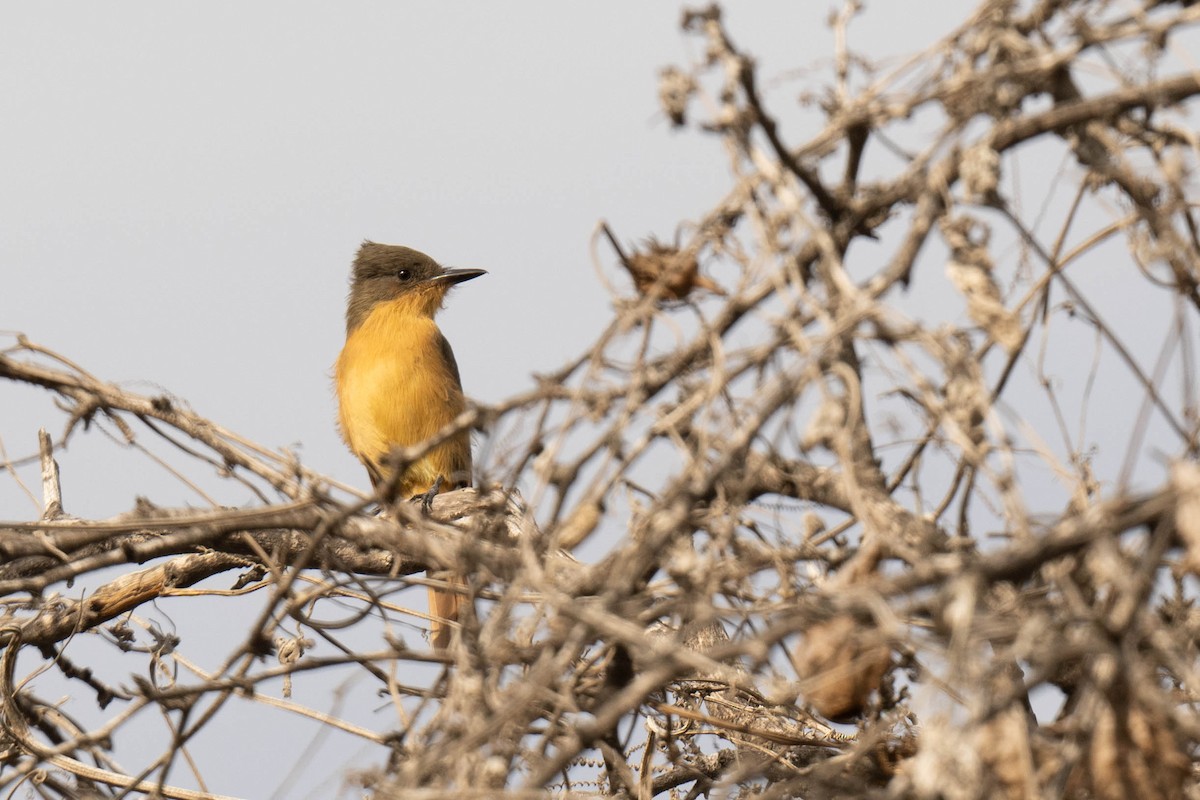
x=840, y=662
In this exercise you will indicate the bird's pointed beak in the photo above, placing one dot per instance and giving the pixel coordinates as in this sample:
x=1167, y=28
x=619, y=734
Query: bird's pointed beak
x=452, y=276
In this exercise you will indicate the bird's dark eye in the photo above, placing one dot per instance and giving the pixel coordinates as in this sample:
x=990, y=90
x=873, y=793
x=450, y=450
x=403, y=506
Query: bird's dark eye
x=403, y=274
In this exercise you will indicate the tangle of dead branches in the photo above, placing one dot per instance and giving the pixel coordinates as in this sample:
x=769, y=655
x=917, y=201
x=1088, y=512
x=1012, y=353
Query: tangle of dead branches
x=882, y=480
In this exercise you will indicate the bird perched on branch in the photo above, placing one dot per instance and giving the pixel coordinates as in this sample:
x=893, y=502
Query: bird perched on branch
x=661, y=270
x=398, y=385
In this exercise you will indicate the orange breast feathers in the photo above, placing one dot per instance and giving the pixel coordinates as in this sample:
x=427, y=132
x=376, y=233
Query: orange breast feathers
x=397, y=386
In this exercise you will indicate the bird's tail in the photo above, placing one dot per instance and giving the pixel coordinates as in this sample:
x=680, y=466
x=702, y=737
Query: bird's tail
x=444, y=608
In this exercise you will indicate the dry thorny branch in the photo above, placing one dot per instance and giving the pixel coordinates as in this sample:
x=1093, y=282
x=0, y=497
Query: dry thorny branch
x=832, y=533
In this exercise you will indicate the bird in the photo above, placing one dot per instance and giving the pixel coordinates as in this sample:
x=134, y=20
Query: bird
x=398, y=385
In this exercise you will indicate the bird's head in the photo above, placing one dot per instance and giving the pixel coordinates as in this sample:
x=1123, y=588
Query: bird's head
x=385, y=273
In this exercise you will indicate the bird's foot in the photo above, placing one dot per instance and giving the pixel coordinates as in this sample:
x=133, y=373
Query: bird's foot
x=427, y=498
